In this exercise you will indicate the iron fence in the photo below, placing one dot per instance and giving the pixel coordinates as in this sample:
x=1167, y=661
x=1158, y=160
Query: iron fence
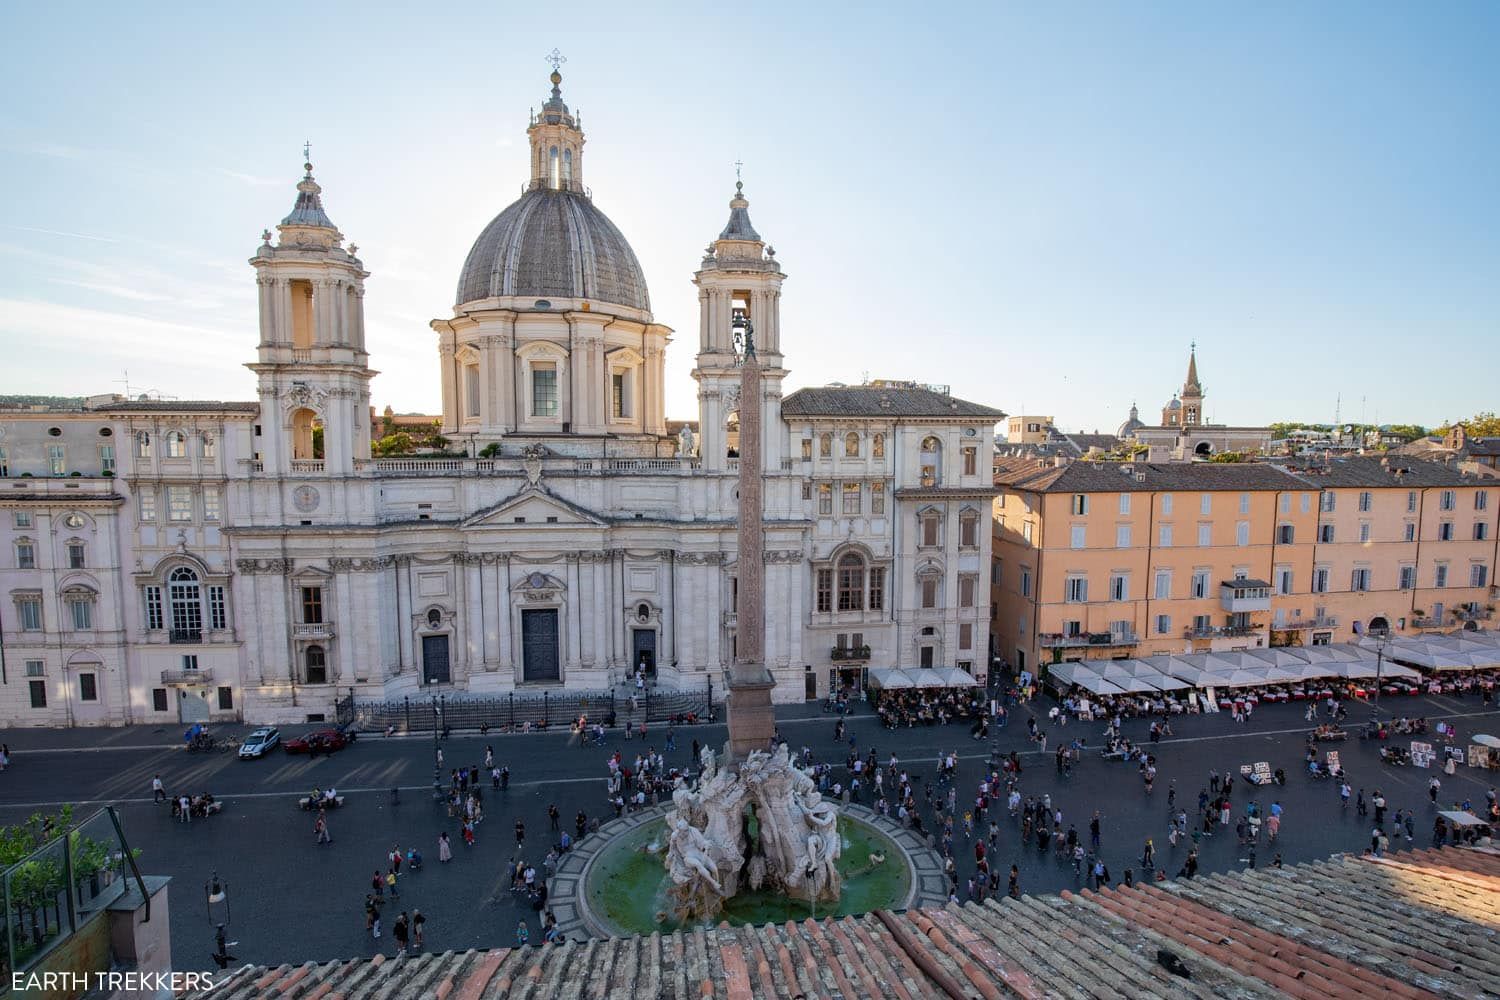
x=509, y=712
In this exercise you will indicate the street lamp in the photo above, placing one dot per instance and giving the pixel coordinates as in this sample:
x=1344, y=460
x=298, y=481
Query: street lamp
x=216, y=896
x=437, y=769
x=1379, y=666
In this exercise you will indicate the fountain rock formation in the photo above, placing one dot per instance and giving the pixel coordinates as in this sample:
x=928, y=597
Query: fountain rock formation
x=795, y=850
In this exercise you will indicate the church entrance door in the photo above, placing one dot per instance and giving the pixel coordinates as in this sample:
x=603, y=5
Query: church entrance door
x=539, y=660
x=926, y=656
x=643, y=644
x=435, y=659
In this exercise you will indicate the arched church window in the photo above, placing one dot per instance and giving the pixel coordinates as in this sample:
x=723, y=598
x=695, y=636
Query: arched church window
x=851, y=445
x=554, y=170
x=825, y=446
x=307, y=435
x=851, y=582
x=434, y=618
x=316, y=661
x=567, y=166
x=932, y=462
x=185, y=602
x=176, y=444
x=877, y=446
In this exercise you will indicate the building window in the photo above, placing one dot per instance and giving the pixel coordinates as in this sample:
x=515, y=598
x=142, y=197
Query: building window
x=1122, y=536
x=1327, y=502
x=471, y=391
x=931, y=462
x=931, y=530
x=619, y=395
x=186, y=602
x=1026, y=531
x=1119, y=587
x=226, y=699
x=1320, y=580
x=152, y=603
x=1481, y=499
x=88, y=687
x=1163, y=624
x=1359, y=580
x=1166, y=503
x=877, y=446
x=36, y=668
x=965, y=635
x=1080, y=504
x=29, y=609
x=1205, y=535
x=209, y=445
x=929, y=587
x=966, y=584
x=1025, y=581
x=971, y=461
x=211, y=503
x=56, y=460
x=81, y=612
x=1407, y=578
x=106, y=459
x=75, y=555
x=1206, y=503
x=1164, y=536
x=807, y=449
x=188, y=661
x=1478, y=575
x=877, y=498
x=1124, y=503
x=312, y=605
x=1440, y=576
x=25, y=554
x=1076, y=589
x=1325, y=533
x=148, y=506
x=851, y=582
x=1077, y=536
x=176, y=444
x=179, y=503
x=1200, y=584
x=825, y=590
x=22, y=519
x=968, y=530
x=543, y=389
x=877, y=588
x=1283, y=580
x=825, y=498
x=4, y=464
x=317, y=667
x=1242, y=533
x=851, y=445
x=1445, y=531
x=158, y=699
x=851, y=497
x=1447, y=500
x=1244, y=503
x=1481, y=531
x=825, y=445
x=1163, y=585
x=1411, y=501
x=142, y=444
x=1366, y=500
x=1364, y=531
x=1286, y=534
x=218, y=617
x=1410, y=533
x=38, y=693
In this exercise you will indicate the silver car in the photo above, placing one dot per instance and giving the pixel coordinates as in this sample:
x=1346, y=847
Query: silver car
x=258, y=742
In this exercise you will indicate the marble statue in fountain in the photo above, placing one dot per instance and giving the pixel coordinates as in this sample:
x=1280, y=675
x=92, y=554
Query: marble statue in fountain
x=710, y=856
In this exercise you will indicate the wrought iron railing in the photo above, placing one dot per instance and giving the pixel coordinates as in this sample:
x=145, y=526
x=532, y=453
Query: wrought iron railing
x=185, y=636
x=1060, y=640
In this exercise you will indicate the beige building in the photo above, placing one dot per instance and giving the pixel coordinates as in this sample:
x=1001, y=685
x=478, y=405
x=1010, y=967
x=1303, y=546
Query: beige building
x=1102, y=560
x=1027, y=430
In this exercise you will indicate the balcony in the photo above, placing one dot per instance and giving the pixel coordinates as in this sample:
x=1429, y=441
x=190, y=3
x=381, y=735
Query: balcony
x=1241, y=596
x=1306, y=623
x=185, y=636
x=1057, y=640
x=1220, y=631
x=312, y=630
x=188, y=678
x=1426, y=623
x=307, y=465
x=849, y=654
x=1474, y=615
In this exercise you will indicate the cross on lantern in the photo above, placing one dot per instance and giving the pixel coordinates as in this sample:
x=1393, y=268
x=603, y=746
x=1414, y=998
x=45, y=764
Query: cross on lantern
x=556, y=58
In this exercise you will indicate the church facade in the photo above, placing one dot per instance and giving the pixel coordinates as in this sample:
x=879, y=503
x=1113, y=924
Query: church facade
x=1184, y=433
x=253, y=560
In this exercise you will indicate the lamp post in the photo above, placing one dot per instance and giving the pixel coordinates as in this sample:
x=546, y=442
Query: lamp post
x=216, y=896
x=1379, y=665
x=437, y=767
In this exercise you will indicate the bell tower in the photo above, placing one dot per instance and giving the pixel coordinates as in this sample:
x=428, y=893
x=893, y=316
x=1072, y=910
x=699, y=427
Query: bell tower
x=739, y=283
x=1192, y=392
x=313, y=370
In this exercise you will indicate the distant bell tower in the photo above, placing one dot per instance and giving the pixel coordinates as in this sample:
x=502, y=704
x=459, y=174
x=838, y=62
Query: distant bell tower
x=739, y=280
x=1192, y=392
x=313, y=370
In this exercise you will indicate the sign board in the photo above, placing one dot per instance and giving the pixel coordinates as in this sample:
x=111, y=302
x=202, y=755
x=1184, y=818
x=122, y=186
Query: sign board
x=1334, y=767
x=1421, y=754
x=1478, y=756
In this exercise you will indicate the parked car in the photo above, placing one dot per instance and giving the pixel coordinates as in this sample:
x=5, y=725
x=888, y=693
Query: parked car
x=258, y=742
x=319, y=741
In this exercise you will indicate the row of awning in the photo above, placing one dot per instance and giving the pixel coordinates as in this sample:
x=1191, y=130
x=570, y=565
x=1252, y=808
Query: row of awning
x=1458, y=651
x=1233, y=669
x=903, y=678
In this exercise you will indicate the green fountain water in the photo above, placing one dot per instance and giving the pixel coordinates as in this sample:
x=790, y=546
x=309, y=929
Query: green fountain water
x=627, y=885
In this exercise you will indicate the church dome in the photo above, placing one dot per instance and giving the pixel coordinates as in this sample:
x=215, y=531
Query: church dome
x=554, y=243
x=1131, y=425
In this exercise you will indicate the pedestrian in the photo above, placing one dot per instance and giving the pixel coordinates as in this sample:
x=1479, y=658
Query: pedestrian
x=158, y=790
x=1014, y=890
x=467, y=827
x=185, y=806
x=418, y=925
x=489, y=757
x=520, y=834
x=378, y=884
x=390, y=884
x=439, y=756
x=320, y=830
x=523, y=933
x=552, y=816
x=395, y=858
x=372, y=917
x=1148, y=855
x=1433, y=786
x=398, y=931
x=1094, y=831
x=445, y=851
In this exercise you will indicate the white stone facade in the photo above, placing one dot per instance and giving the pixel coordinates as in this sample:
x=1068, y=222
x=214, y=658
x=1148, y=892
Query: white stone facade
x=571, y=544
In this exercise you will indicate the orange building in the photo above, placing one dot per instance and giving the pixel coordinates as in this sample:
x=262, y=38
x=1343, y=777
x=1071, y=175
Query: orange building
x=1111, y=560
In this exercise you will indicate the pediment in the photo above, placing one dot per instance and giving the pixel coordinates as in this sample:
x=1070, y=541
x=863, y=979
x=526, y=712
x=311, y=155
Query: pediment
x=536, y=506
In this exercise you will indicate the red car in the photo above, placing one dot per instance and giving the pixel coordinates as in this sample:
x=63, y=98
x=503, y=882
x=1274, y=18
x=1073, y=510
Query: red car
x=319, y=741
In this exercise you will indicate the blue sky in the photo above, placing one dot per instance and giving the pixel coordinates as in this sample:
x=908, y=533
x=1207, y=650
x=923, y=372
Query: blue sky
x=1041, y=205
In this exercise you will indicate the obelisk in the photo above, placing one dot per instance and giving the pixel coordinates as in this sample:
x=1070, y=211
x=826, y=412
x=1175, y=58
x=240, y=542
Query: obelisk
x=752, y=722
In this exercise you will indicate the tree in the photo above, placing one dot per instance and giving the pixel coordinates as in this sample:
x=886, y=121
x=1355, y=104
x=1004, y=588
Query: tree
x=1407, y=432
x=399, y=443
x=1482, y=424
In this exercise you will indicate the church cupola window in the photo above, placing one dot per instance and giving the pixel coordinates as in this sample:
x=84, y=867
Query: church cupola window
x=567, y=168
x=554, y=169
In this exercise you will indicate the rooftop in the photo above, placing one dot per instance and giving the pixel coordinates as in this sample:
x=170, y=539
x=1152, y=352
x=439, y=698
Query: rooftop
x=1369, y=470
x=1142, y=477
x=881, y=401
x=1412, y=924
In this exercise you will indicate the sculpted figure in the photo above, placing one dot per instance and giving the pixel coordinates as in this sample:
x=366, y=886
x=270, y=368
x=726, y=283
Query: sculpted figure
x=688, y=857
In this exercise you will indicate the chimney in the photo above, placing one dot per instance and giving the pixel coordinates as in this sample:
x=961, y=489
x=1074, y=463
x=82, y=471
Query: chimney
x=1059, y=461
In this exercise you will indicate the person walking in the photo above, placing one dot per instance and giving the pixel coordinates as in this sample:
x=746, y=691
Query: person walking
x=445, y=850
x=320, y=830
x=378, y=884
x=185, y=806
x=158, y=790
x=372, y=917
x=390, y=884
x=552, y=817
x=418, y=926
x=520, y=835
x=399, y=932
x=1433, y=787
x=1094, y=831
